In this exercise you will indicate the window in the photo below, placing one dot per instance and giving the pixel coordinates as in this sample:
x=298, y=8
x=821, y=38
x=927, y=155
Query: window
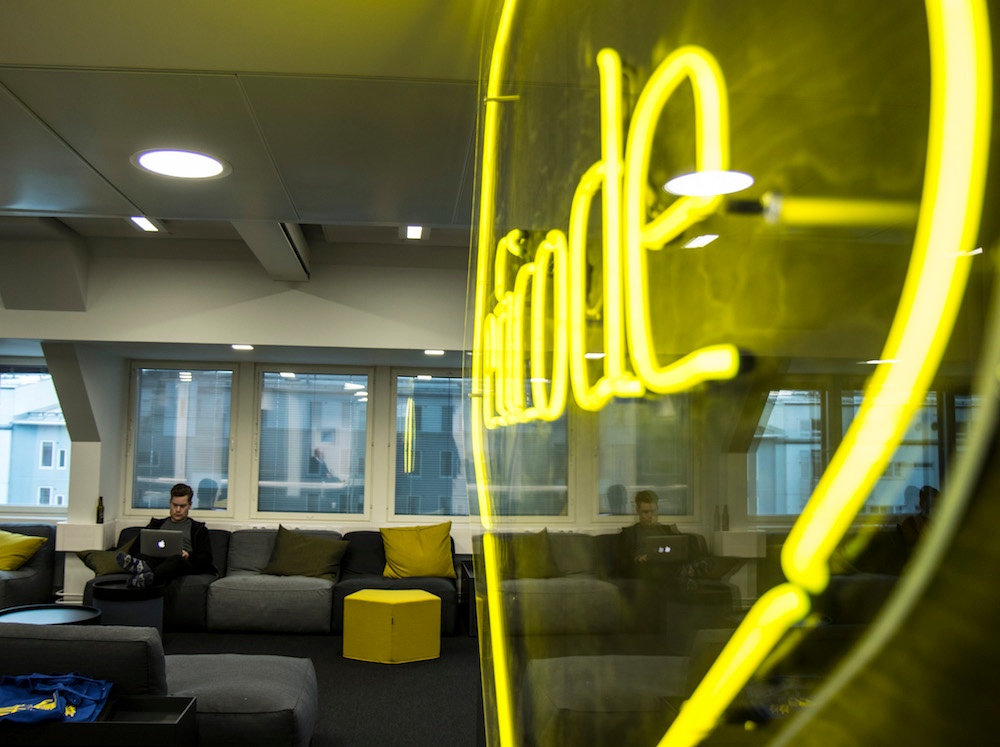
x=313, y=439
x=429, y=421
x=786, y=460
x=645, y=445
x=46, y=450
x=181, y=434
x=44, y=496
x=33, y=438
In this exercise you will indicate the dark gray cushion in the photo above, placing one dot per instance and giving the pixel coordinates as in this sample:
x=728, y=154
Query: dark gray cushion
x=129, y=656
x=246, y=700
x=288, y=604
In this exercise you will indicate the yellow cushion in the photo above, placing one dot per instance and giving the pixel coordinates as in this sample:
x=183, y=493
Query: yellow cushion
x=418, y=551
x=17, y=549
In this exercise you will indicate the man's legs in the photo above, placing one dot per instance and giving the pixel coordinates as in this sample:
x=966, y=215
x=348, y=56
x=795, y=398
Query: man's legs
x=146, y=570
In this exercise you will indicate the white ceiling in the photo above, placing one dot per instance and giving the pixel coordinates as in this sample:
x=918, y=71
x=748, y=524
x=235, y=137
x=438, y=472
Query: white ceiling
x=344, y=117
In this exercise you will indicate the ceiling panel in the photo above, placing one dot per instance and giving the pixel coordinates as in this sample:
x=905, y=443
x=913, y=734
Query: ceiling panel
x=369, y=151
x=108, y=116
x=41, y=174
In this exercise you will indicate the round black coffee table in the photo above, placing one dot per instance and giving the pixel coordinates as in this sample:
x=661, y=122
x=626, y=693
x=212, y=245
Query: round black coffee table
x=122, y=604
x=51, y=614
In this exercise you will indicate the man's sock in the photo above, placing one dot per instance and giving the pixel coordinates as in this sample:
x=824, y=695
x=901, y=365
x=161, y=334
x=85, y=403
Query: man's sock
x=130, y=564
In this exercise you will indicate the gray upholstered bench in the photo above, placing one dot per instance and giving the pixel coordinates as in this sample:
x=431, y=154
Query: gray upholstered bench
x=242, y=700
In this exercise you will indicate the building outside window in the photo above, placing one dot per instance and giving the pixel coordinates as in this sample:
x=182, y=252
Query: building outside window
x=429, y=426
x=33, y=436
x=788, y=455
x=181, y=434
x=313, y=441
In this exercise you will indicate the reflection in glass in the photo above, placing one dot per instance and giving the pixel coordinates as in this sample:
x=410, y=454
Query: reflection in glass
x=181, y=434
x=312, y=443
x=430, y=439
x=645, y=444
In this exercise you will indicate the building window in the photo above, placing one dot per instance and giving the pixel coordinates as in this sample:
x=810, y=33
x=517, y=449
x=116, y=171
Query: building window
x=33, y=437
x=44, y=496
x=426, y=422
x=313, y=441
x=181, y=434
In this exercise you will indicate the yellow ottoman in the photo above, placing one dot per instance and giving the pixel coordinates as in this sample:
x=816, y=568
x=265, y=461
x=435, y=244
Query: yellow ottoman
x=392, y=626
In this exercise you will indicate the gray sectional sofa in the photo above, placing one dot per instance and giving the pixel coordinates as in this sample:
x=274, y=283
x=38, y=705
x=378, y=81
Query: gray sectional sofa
x=241, y=699
x=241, y=597
x=33, y=582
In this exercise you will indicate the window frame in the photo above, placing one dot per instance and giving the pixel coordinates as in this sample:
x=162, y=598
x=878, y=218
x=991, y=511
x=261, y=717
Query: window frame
x=253, y=492
x=128, y=467
x=831, y=389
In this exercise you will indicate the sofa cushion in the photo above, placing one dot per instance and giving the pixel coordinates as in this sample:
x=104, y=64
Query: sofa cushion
x=102, y=562
x=17, y=549
x=129, y=656
x=248, y=700
x=573, y=553
x=299, y=554
x=418, y=551
x=365, y=555
x=287, y=604
x=559, y=606
x=530, y=555
x=250, y=550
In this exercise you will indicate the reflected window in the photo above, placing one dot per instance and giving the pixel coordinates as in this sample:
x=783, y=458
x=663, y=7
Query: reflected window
x=645, y=444
x=430, y=440
x=313, y=441
x=788, y=455
x=528, y=469
x=181, y=434
x=786, y=461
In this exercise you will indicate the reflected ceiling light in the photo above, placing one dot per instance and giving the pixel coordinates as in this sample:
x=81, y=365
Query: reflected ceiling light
x=424, y=377
x=352, y=385
x=145, y=224
x=363, y=399
x=699, y=241
x=286, y=375
x=414, y=232
x=362, y=393
x=185, y=376
x=183, y=164
x=878, y=361
x=708, y=183
x=239, y=346
x=594, y=356
x=433, y=352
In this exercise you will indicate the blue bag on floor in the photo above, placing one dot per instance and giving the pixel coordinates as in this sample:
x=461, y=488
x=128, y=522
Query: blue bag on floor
x=29, y=698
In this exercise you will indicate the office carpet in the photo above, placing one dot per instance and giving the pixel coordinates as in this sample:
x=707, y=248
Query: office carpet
x=363, y=704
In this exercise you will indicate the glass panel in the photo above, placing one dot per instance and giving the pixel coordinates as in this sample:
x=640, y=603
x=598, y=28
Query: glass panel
x=313, y=437
x=181, y=435
x=430, y=438
x=32, y=427
x=645, y=445
x=787, y=453
x=916, y=462
x=529, y=467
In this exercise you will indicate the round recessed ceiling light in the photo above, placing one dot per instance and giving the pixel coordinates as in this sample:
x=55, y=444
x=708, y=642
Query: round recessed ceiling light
x=709, y=183
x=183, y=164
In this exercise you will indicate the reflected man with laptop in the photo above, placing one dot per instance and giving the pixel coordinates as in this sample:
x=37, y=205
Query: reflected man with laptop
x=643, y=550
x=174, y=546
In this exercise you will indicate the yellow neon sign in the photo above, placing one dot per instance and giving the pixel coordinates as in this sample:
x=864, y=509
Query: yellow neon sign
x=958, y=142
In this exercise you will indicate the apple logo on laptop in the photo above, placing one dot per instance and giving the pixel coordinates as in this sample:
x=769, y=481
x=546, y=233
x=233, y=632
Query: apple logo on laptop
x=161, y=544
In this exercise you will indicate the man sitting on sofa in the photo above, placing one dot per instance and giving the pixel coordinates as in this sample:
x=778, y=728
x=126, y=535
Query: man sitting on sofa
x=195, y=557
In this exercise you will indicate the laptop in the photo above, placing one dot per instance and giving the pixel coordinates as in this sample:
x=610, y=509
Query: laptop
x=161, y=543
x=667, y=548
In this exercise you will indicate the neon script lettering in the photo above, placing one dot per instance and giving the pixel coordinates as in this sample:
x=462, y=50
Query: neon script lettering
x=537, y=324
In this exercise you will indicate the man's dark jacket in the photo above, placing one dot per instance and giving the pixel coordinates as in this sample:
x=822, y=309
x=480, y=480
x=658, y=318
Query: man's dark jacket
x=201, y=554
